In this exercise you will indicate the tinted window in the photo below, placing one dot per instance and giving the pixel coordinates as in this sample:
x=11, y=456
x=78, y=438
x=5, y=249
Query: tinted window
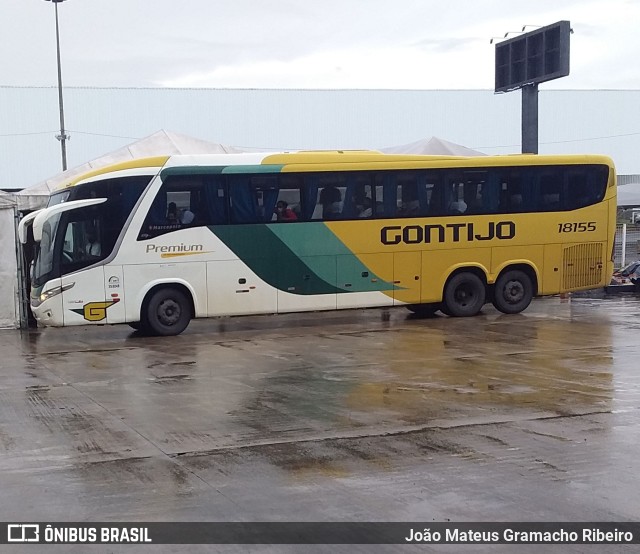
x=89, y=235
x=200, y=199
x=186, y=201
x=85, y=238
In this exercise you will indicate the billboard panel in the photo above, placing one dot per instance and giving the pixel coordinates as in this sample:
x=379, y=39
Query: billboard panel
x=535, y=57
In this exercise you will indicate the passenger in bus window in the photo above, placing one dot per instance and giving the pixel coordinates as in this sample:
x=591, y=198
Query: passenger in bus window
x=410, y=204
x=365, y=208
x=93, y=247
x=515, y=203
x=284, y=212
x=362, y=201
x=172, y=213
x=473, y=198
x=330, y=198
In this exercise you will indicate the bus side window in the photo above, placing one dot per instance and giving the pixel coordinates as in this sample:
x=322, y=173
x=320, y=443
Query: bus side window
x=582, y=189
x=490, y=193
x=180, y=203
x=454, y=197
x=436, y=199
x=408, y=201
x=550, y=188
x=214, y=201
x=288, y=204
x=512, y=196
x=331, y=196
x=472, y=197
x=249, y=199
x=358, y=202
x=386, y=195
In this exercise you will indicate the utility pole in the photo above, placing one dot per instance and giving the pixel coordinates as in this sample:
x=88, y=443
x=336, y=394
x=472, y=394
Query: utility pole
x=62, y=137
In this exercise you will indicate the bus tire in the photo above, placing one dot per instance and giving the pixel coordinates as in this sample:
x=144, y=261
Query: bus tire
x=464, y=295
x=512, y=292
x=137, y=325
x=167, y=312
x=423, y=310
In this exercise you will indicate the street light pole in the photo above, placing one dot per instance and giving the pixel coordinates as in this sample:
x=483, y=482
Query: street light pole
x=62, y=137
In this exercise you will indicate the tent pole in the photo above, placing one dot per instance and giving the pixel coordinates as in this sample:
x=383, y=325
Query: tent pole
x=23, y=293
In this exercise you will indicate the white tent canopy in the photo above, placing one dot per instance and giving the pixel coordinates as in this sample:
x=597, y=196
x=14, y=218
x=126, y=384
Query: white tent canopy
x=8, y=267
x=161, y=143
x=434, y=146
x=167, y=143
x=7, y=200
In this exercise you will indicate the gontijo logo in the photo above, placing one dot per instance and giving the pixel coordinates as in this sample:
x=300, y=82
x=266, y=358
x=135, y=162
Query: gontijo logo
x=451, y=232
x=96, y=311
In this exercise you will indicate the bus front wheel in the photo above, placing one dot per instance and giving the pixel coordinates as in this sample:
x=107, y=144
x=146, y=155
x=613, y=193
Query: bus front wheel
x=513, y=292
x=167, y=312
x=464, y=295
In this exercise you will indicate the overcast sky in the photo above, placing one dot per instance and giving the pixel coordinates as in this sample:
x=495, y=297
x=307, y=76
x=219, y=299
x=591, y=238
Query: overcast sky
x=407, y=44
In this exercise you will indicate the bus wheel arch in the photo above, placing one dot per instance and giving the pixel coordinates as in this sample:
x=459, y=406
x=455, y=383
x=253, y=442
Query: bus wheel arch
x=464, y=292
x=514, y=288
x=167, y=309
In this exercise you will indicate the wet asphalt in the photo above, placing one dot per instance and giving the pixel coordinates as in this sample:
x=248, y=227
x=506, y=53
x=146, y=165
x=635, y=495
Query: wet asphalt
x=369, y=415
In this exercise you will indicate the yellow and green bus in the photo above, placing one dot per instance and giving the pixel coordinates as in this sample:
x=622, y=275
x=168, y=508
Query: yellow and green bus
x=158, y=241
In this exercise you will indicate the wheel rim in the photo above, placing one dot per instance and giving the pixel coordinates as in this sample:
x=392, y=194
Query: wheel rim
x=465, y=294
x=169, y=312
x=513, y=292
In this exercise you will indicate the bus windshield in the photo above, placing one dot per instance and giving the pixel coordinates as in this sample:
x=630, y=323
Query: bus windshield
x=82, y=237
x=43, y=264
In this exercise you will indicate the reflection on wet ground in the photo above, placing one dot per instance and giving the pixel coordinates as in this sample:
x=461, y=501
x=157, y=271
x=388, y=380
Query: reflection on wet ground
x=365, y=415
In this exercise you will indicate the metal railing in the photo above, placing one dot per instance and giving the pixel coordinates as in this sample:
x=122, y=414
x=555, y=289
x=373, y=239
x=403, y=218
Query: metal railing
x=627, y=244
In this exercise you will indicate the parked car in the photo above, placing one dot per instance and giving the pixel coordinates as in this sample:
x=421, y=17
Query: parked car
x=628, y=275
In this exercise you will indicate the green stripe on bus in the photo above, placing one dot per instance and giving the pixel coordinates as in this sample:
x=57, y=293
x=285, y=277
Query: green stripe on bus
x=271, y=168
x=300, y=259
x=192, y=170
x=315, y=242
x=271, y=260
x=220, y=169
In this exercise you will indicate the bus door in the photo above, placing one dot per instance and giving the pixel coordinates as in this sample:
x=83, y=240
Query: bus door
x=84, y=301
x=83, y=297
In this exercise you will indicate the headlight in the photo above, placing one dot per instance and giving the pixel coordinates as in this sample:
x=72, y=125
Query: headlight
x=55, y=291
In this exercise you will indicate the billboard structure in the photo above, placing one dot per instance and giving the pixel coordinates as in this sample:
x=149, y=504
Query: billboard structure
x=527, y=60
x=535, y=57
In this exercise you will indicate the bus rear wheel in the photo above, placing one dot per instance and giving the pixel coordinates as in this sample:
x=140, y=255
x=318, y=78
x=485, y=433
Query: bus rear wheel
x=513, y=292
x=167, y=312
x=464, y=295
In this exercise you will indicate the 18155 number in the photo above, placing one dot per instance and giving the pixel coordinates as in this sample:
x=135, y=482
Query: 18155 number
x=582, y=227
